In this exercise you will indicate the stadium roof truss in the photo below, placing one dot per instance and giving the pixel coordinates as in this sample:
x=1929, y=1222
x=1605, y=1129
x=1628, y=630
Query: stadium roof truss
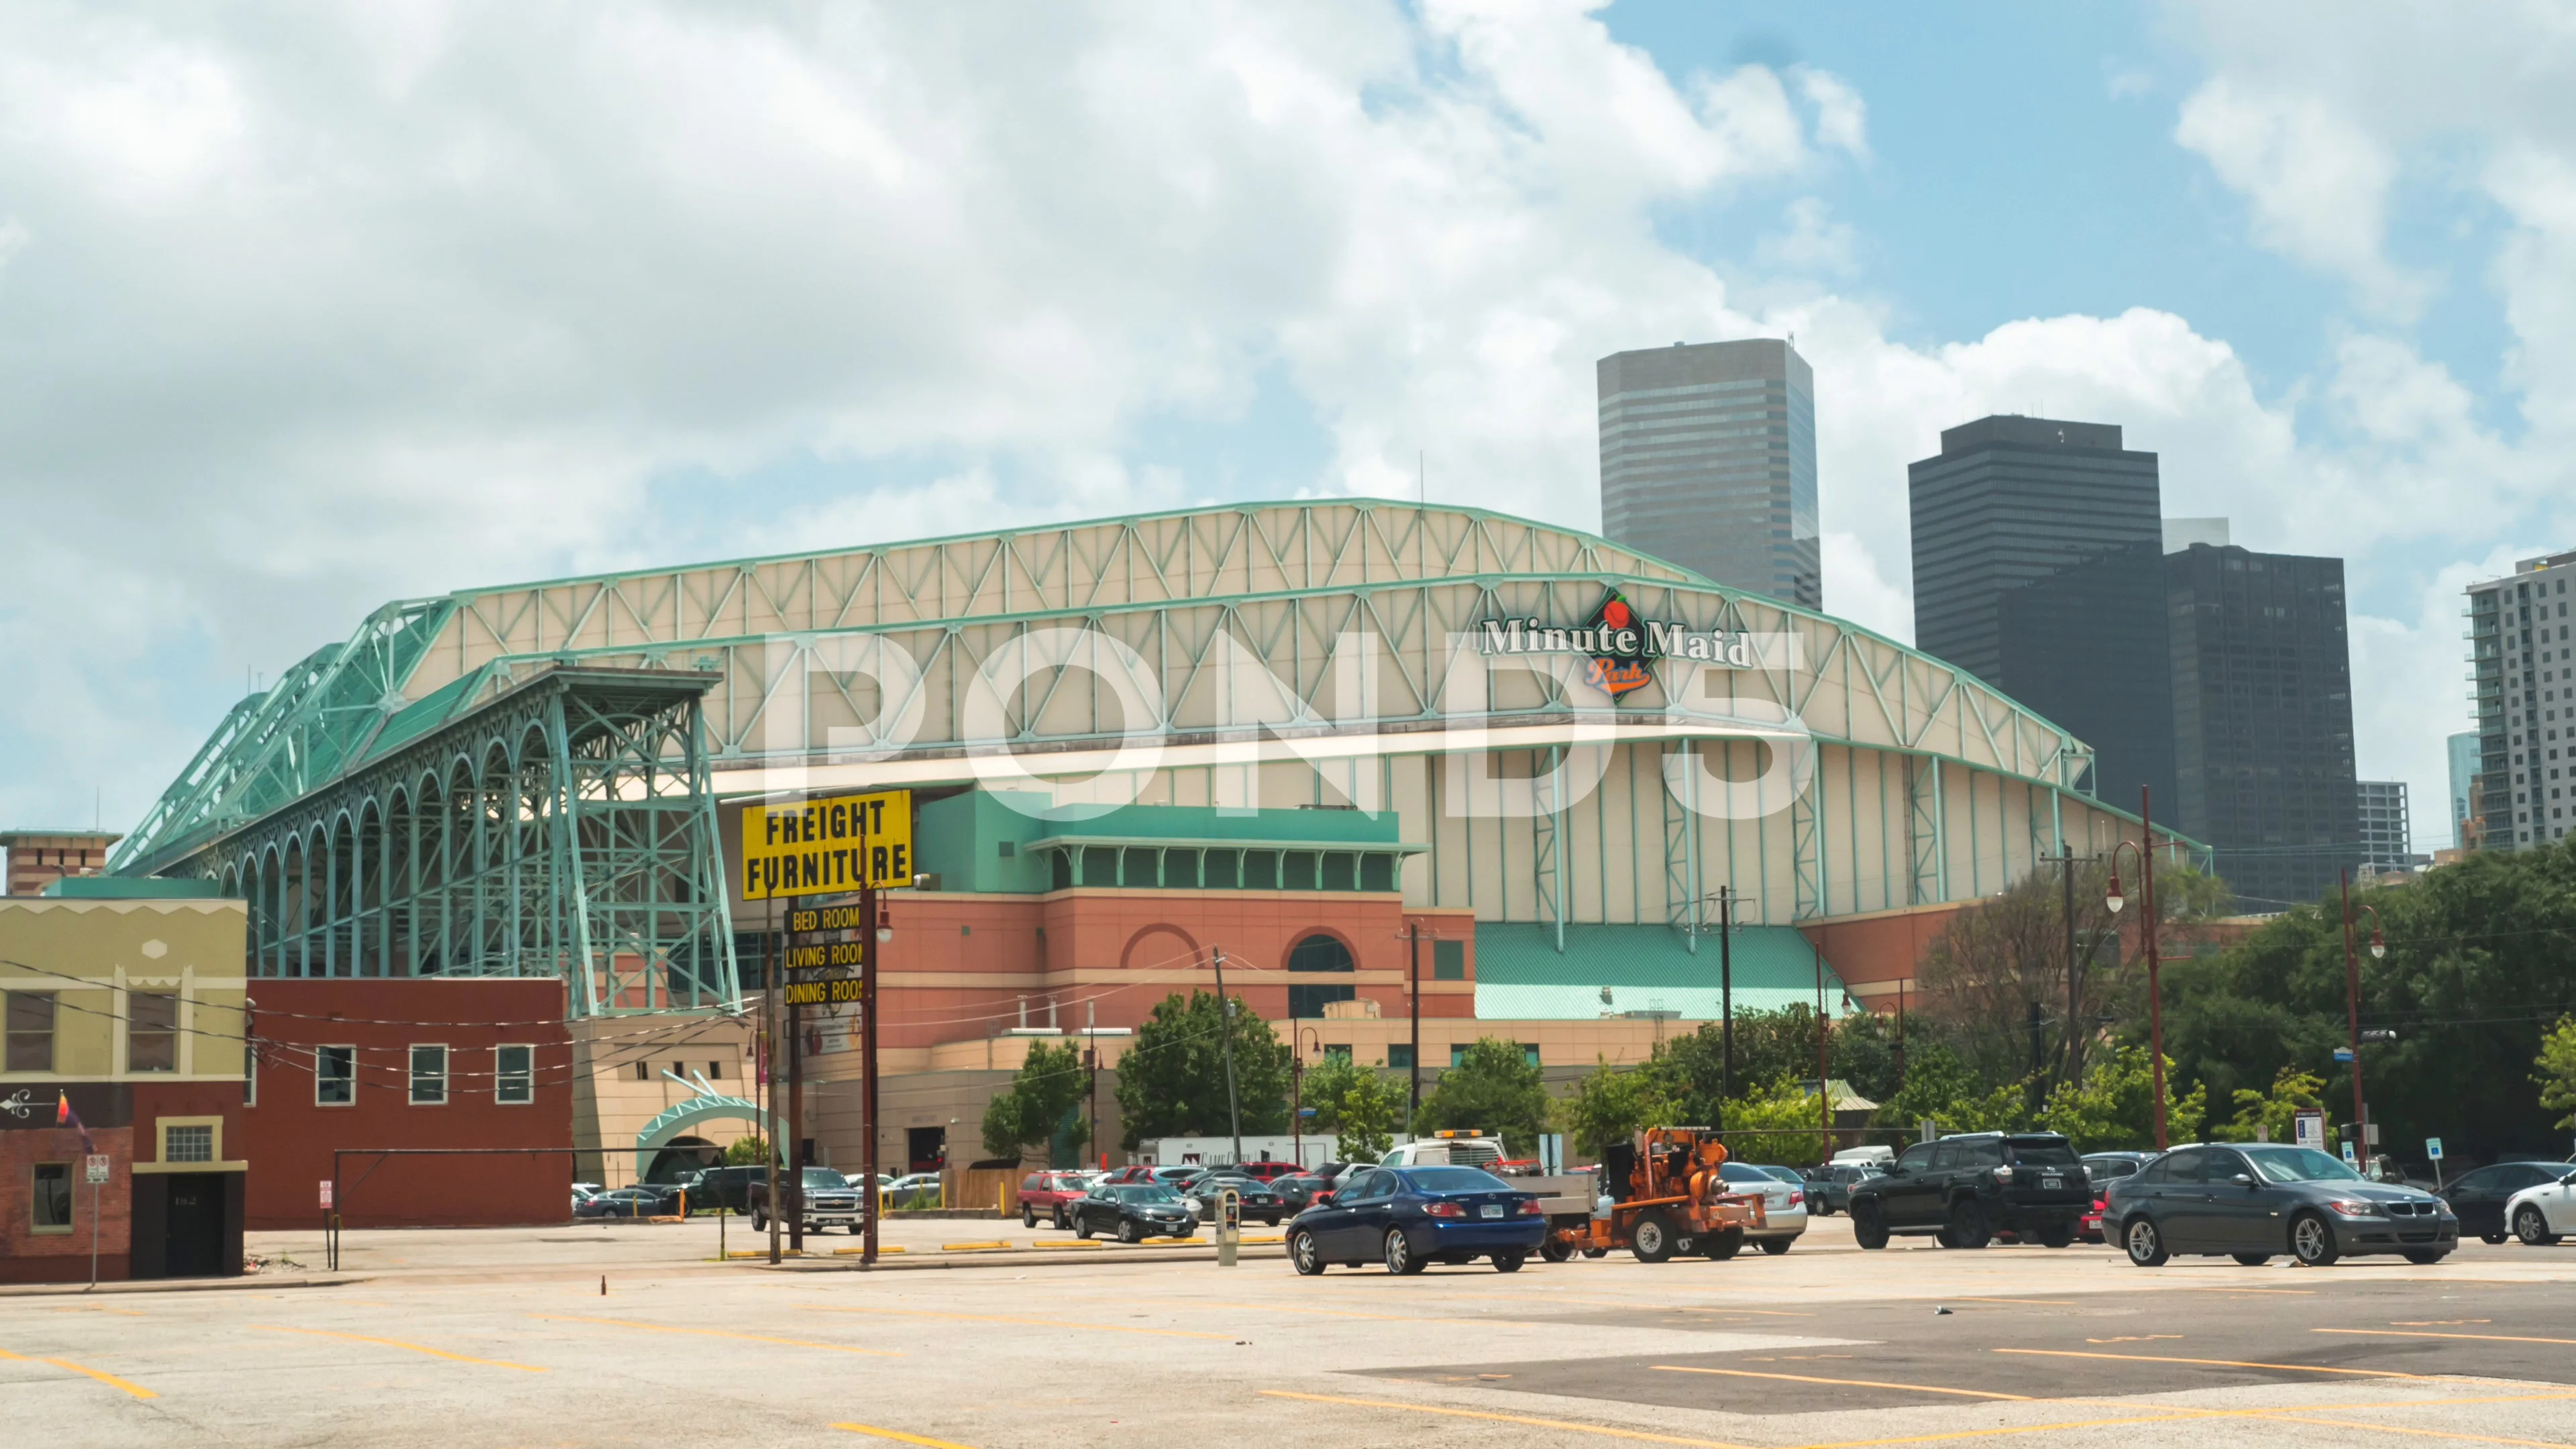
x=1322, y=620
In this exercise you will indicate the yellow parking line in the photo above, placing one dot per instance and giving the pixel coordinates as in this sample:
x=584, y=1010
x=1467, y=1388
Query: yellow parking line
x=993, y=1246
x=2480, y=1337
x=111, y=1380
x=853, y=1252
x=398, y=1343
x=1006, y=1318
x=2298, y=1368
x=1674, y=1368
x=719, y=1333
x=899, y=1436
x=1538, y=1423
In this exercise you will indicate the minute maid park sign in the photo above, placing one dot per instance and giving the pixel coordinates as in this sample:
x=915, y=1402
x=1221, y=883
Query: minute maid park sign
x=1618, y=643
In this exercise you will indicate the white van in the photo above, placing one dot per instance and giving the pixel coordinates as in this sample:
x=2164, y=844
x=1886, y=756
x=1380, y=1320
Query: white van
x=1880, y=1154
x=1447, y=1149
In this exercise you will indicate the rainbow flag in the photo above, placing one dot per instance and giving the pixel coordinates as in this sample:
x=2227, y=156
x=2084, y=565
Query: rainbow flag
x=64, y=1116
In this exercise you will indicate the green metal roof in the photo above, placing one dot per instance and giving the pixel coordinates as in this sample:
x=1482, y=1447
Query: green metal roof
x=1521, y=976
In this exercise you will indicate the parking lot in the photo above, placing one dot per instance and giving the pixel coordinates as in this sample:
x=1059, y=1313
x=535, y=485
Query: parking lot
x=505, y=1338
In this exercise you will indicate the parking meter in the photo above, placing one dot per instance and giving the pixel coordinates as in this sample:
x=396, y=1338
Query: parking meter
x=1229, y=1225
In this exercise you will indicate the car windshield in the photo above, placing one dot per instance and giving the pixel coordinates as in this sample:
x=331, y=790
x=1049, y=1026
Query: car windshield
x=1456, y=1179
x=825, y=1177
x=1142, y=1193
x=1784, y=1174
x=2301, y=1164
x=2041, y=1153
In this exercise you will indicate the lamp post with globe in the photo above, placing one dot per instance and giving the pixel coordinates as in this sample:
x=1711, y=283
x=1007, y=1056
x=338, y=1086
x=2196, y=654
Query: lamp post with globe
x=2147, y=936
x=2352, y=1006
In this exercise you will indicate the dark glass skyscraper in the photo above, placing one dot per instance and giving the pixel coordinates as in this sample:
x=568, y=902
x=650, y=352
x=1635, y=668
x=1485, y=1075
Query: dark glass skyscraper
x=2038, y=548
x=2263, y=712
x=1708, y=459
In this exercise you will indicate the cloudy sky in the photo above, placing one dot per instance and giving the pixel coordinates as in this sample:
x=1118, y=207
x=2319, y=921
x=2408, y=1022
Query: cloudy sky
x=307, y=308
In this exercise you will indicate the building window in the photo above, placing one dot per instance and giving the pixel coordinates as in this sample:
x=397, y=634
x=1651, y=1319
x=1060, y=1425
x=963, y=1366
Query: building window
x=514, y=1075
x=1448, y=960
x=50, y=1211
x=151, y=1031
x=1321, y=954
x=31, y=1031
x=335, y=1076
x=643, y=1071
x=1338, y=1053
x=1529, y=1052
x=1400, y=1056
x=1458, y=1053
x=187, y=1141
x=429, y=1076
x=715, y=1071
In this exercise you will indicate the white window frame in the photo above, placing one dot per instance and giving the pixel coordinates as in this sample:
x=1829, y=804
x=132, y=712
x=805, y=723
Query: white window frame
x=411, y=1062
x=318, y=1079
x=503, y=1076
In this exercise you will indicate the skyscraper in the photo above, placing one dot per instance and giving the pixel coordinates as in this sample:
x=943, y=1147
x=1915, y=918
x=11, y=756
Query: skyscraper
x=2520, y=657
x=2038, y=553
x=1708, y=459
x=2464, y=789
x=2385, y=840
x=2262, y=708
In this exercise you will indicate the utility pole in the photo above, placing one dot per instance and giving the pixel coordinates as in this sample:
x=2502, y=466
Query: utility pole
x=2065, y=861
x=1091, y=1074
x=871, y=947
x=2352, y=1016
x=1413, y=936
x=1225, y=1034
x=1824, y=1080
x=1725, y=1001
x=2155, y=978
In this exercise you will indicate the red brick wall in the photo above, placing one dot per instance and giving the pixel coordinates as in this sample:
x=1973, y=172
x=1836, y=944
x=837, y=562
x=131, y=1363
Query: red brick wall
x=27, y=1257
x=288, y=1138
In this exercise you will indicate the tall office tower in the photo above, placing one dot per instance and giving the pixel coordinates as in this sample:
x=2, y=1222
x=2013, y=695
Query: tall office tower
x=2520, y=657
x=2381, y=808
x=2038, y=567
x=2464, y=789
x=2262, y=681
x=1708, y=459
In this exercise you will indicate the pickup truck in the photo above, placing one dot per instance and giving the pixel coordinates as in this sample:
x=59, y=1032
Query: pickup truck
x=829, y=1199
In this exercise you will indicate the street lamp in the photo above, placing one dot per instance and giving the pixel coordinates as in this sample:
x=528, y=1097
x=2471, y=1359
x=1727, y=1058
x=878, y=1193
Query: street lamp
x=2147, y=934
x=1297, y=1092
x=2352, y=1006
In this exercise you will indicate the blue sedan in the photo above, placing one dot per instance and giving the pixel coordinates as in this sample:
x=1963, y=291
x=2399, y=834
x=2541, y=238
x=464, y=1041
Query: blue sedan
x=1412, y=1217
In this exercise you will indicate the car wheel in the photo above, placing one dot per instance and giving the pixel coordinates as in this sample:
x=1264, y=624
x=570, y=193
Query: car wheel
x=1596, y=1252
x=2145, y=1242
x=1967, y=1227
x=1400, y=1257
x=2312, y=1240
x=1776, y=1246
x=2057, y=1235
x=759, y=1221
x=1556, y=1250
x=1509, y=1262
x=1868, y=1229
x=2494, y=1238
x=1651, y=1237
x=1082, y=1229
x=2426, y=1257
x=1301, y=1251
x=1129, y=1232
x=1722, y=1246
x=1056, y=1220
x=1271, y=1221
x=1028, y=1216
x=2532, y=1228
x=2252, y=1260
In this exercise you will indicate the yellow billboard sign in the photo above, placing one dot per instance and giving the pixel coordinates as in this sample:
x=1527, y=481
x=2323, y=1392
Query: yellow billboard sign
x=827, y=845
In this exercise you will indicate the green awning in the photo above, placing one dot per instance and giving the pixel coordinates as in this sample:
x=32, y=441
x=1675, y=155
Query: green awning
x=1521, y=976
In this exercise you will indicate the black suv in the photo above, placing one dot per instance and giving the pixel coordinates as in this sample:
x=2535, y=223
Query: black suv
x=1968, y=1187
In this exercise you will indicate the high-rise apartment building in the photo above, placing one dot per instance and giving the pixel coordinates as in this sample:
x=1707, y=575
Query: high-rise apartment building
x=1708, y=459
x=2038, y=567
x=2262, y=708
x=2523, y=667
x=2463, y=750
x=2380, y=807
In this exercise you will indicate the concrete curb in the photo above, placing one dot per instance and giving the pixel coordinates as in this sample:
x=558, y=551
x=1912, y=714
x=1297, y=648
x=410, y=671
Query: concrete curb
x=172, y=1285
x=1019, y=1258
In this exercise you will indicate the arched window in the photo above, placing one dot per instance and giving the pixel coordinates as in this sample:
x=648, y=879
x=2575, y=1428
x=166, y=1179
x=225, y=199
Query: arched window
x=1319, y=953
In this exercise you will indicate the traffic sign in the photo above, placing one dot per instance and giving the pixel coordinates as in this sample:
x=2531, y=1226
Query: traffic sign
x=97, y=1167
x=326, y=1192
x=2349, y=1159
x=2343, y=1054
x=828, y=845
x=2309, y=1129
x=2433, y=1148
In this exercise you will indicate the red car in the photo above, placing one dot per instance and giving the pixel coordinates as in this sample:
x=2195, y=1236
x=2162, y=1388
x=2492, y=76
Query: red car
x=1266, y=1171
x=1050, y=1194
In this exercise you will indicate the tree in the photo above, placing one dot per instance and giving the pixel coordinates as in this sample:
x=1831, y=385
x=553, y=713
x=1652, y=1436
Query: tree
x=1039, y=1105
x=1939, y=1085
x=1368, y=1112
x=2557, y=1070
x=747, y=1151
x=2274, y=1115
x=1171, y=1083
x=2114, y=1106
x=1322, y=1089
x=1612, y=1105
x=1495, y=1089
x=1780, y=1123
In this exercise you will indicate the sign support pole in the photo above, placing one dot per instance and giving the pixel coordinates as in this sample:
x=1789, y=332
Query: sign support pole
x=795, y=1113
x=770, y=979
x=868, y=948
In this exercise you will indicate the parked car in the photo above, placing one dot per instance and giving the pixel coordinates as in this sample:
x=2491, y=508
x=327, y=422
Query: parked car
x=1253, y=1199
x=829, y=1200
x=727, y=1187
x=1829, y=1187
x=2103, y=1169
x=1046, y=1195
x=1784, y=1203
x=1965, y=1187
x=1411, y=1217
x=2253, y=1201
x=1132, y=1212
x=2542, y=1214
x=2478, y=1197
x=1457, y=1147
x=916, y=1189
x=1267, y=1170
x=645, y=1201
x=1297, y=1191
x=582, y=1190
